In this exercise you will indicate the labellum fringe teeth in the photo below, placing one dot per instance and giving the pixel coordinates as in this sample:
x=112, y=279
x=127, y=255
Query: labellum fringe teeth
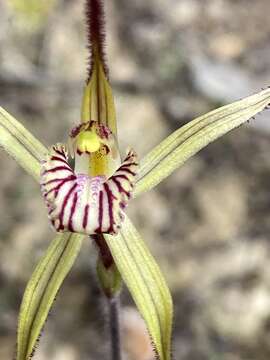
x=83, y=204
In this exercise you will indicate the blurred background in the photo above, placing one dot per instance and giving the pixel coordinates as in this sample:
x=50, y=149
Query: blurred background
x=208, y=224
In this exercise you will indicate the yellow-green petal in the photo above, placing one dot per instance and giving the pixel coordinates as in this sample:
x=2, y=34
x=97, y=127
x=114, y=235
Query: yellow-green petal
x=146, y=284
x=176, y=149
x=42, y=289
x=21, y=144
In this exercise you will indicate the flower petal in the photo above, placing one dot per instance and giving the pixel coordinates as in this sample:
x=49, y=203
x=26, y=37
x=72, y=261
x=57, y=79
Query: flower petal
x=83, y=204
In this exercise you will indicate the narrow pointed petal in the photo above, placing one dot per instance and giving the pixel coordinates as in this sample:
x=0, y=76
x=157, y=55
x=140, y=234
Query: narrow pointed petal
x=20, y=144
x=146, y=284
x=176, y=149
x=84, y=204
x=42, y=289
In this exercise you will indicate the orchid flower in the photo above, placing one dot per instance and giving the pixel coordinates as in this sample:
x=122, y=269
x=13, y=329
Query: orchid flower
x=88, y=196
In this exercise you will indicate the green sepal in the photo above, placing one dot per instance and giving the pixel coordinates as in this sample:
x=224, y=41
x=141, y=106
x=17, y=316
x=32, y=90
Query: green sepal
x=42, y=289
x=98, y=102
x=20, y=144
x=181, y=145
x=109, y=279
x=146, y=284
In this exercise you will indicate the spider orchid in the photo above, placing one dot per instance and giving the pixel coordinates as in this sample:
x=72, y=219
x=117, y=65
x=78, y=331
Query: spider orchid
x=86, y=189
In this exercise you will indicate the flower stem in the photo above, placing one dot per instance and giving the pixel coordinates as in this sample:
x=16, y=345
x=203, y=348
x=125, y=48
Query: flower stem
x=114, y=322
x=110, y=282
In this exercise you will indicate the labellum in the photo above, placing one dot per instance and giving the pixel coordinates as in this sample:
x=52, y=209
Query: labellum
x=78, y=202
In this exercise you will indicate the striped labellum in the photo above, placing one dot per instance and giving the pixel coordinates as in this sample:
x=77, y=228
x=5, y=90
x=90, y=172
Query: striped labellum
x=86, y=204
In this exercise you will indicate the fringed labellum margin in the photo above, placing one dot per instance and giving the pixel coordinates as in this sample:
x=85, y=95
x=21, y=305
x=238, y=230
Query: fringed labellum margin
x=81, y=203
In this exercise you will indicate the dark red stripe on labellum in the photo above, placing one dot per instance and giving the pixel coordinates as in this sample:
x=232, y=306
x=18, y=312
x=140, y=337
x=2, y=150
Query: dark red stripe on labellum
x=66, y=198
x=56, y=158
x=72, y=211
x=71, y=177
x=120, y=187
x=100, y=213
x=58, y=187
x=85, y=216
x=122, y=176
x=110, y=197
x=57, y=168
x=126, y=169
x=126, y=163
x=59, y=152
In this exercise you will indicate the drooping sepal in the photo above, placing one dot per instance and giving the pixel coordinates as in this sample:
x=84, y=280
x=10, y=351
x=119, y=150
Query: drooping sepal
x=83, y=204
x=41, y=291
x=143, y=278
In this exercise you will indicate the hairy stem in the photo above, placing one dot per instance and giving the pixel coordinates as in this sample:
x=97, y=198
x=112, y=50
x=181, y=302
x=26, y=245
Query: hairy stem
x=114, y=322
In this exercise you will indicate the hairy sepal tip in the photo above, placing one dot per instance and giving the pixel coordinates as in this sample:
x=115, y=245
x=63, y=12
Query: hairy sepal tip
x=96, y=35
